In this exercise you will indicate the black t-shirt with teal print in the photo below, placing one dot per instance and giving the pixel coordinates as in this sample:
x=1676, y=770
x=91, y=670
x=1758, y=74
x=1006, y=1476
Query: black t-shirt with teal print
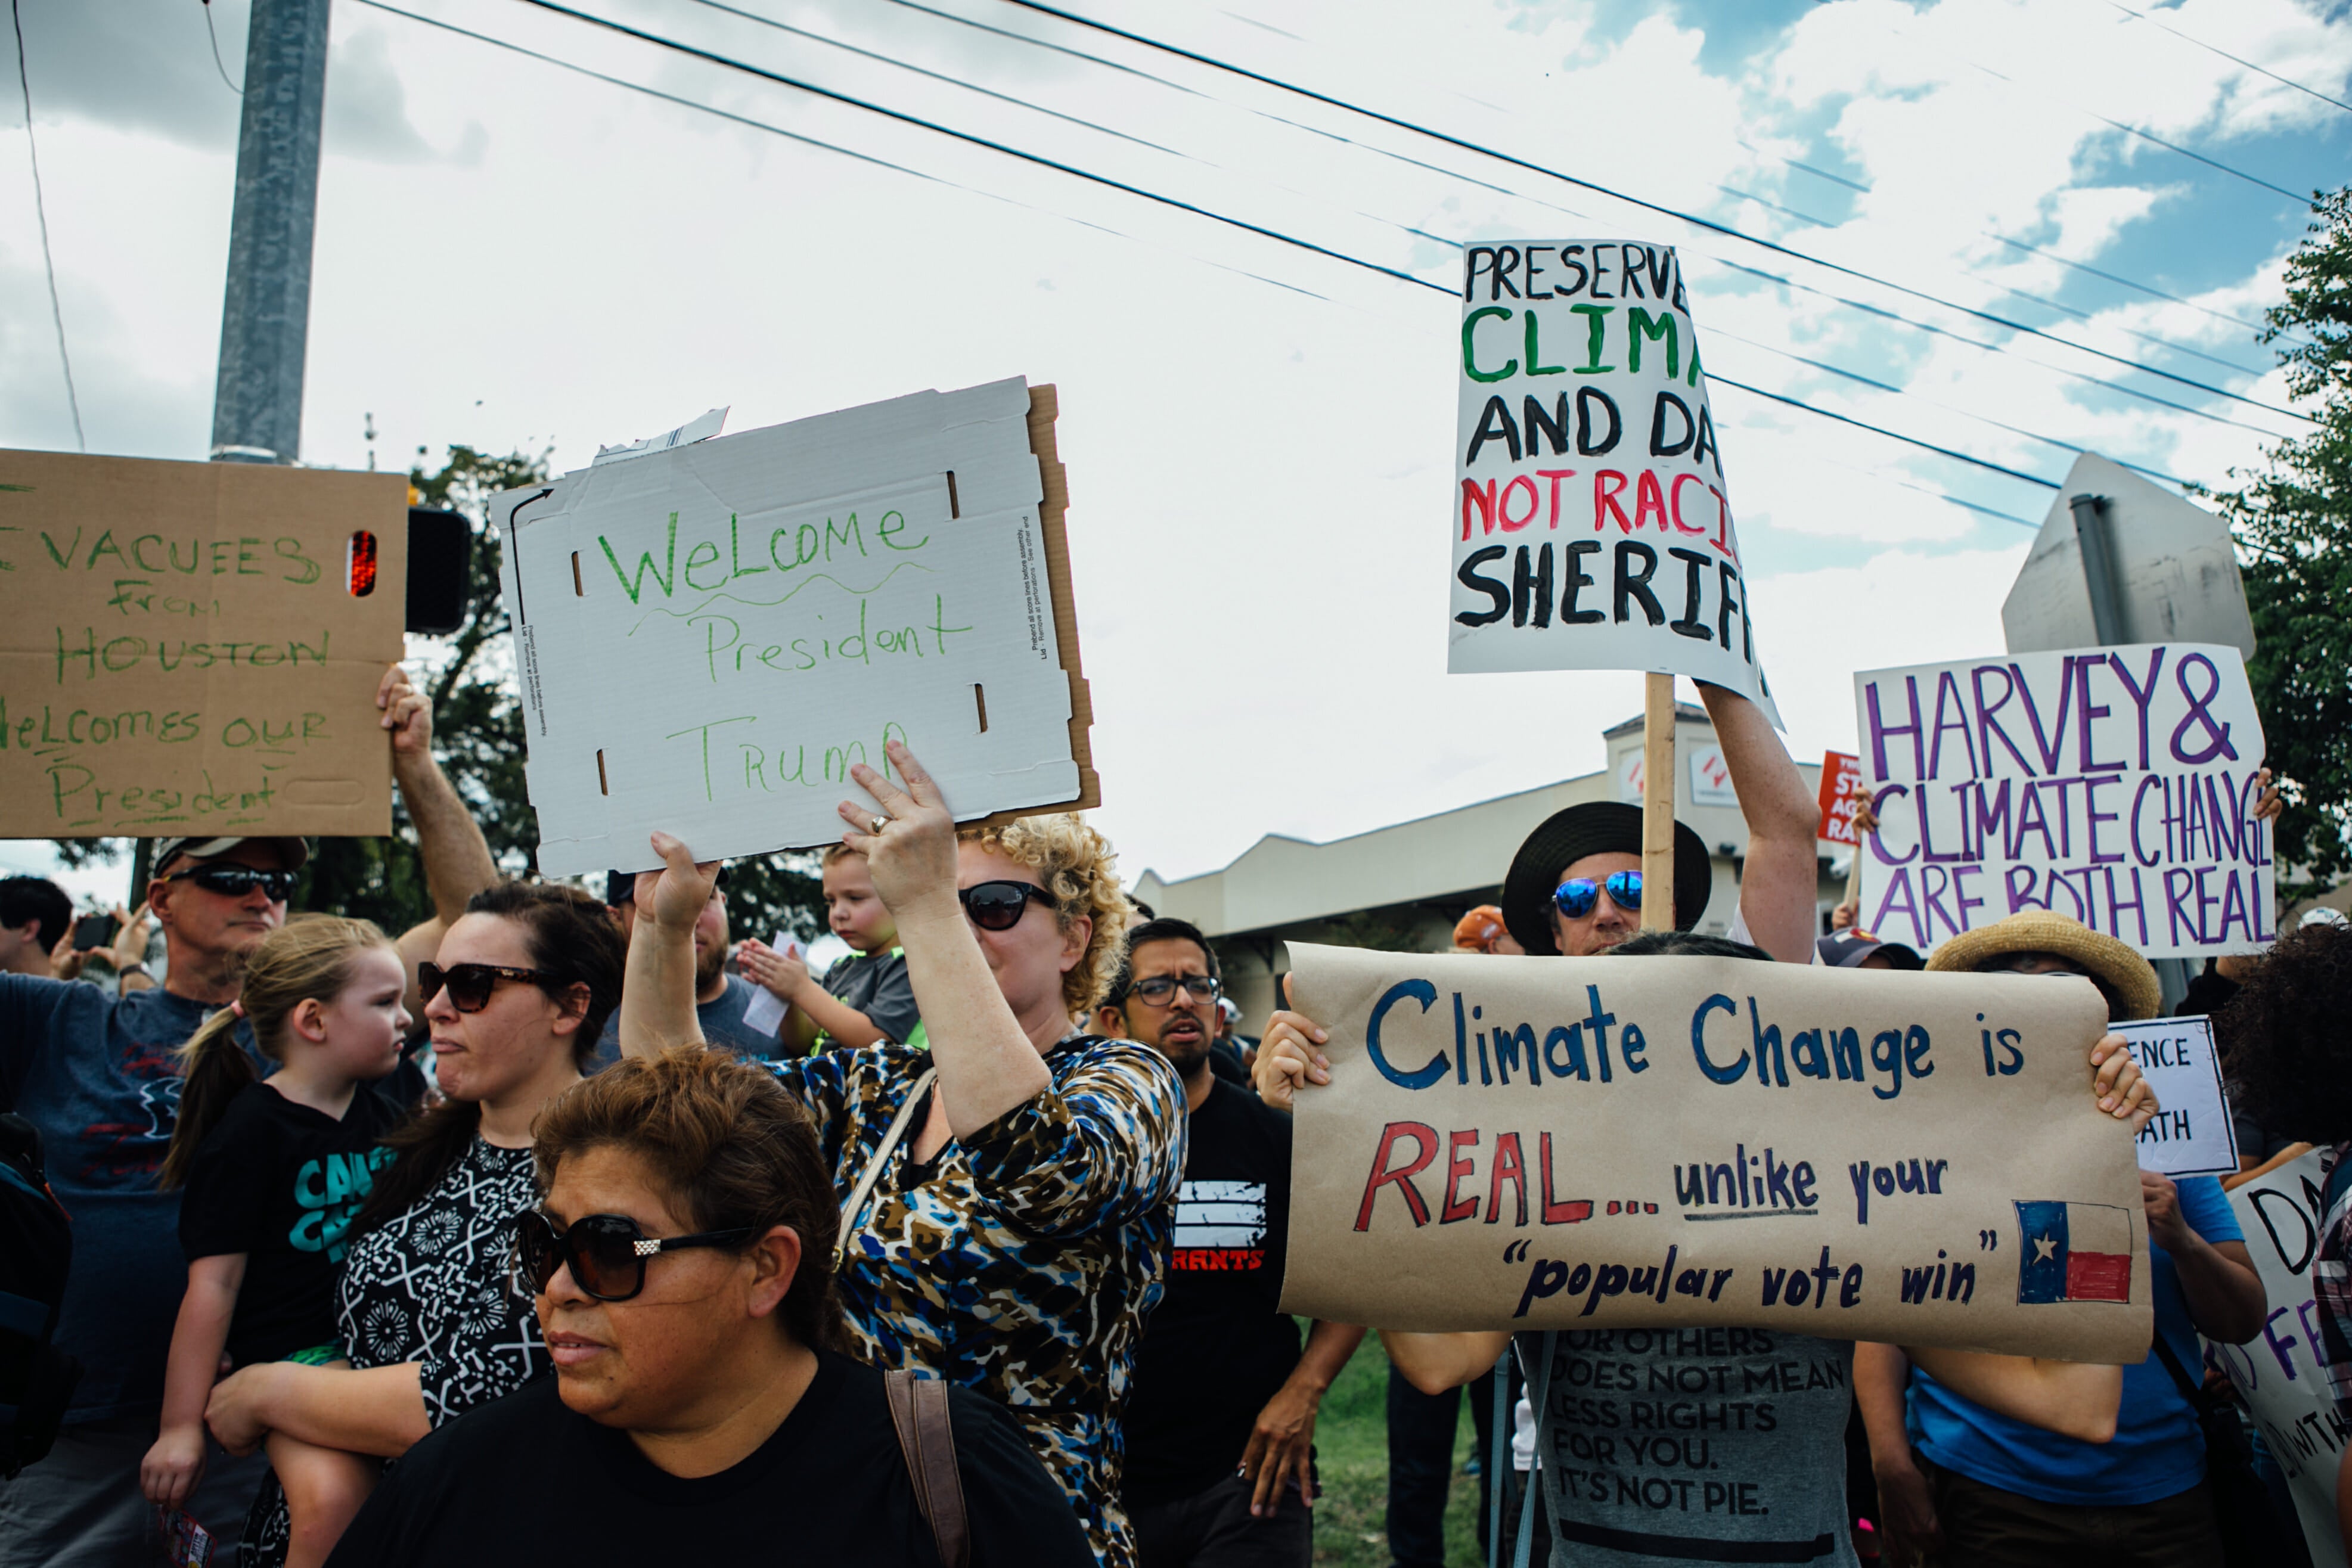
x=281, y=1183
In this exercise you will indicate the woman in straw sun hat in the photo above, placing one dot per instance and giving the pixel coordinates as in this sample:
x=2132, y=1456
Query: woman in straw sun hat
x=2042, y=942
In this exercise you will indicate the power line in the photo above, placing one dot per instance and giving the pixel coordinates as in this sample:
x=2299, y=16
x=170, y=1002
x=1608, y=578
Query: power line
x=2264, y=71
x=660, y=41
x=218, y=64
x=1905, y=392
x=41, y=210
x=1744, y=195
x=1994, y=349
x=936, y=76
x=1680, y=217
x=1304, y=244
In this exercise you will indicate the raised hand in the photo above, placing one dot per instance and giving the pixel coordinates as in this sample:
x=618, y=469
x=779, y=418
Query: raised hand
x=674, y=896
x=406, y=712
x=908, y=836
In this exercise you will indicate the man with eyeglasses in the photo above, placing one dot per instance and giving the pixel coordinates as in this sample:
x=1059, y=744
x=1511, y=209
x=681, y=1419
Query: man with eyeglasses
x=100, y=1076
x=1220, y=1424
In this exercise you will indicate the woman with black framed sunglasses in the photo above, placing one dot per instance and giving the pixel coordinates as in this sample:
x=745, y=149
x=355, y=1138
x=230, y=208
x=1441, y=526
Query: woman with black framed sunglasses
x=426, y=1307
x=1009, y=1196
x=701, y=1408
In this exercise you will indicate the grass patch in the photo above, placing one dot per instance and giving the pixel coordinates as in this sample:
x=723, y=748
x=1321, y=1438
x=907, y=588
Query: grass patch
x=1351, y=1440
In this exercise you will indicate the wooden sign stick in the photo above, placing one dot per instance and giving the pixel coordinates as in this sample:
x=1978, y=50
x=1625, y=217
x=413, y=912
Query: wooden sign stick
x=1853, y=871
x=1658, y=803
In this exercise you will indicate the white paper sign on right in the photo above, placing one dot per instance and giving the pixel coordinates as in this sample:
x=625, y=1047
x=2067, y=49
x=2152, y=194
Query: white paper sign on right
x=2191, y=1136
x=2279, y=1373
x=2117, y=786
x=1591, y=527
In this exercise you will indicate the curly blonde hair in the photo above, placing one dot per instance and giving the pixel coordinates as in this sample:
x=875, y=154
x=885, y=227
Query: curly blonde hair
x=1077, y=866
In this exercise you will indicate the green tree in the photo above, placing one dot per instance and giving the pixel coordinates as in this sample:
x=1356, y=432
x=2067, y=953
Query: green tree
x=2293, y=525
x=477, y=733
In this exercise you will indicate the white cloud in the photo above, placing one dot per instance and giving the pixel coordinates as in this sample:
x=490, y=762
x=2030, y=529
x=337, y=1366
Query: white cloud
x=509, y=255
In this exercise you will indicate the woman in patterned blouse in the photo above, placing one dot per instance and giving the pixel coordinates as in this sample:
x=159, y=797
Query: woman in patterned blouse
x=426, y=1306
x=1017, y=1235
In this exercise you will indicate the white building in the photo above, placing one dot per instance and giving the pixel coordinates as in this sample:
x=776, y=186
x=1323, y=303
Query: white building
x=1402, y=887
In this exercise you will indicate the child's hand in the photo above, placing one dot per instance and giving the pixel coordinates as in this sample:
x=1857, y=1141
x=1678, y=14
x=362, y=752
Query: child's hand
x=783, y=976
x=169, y=1474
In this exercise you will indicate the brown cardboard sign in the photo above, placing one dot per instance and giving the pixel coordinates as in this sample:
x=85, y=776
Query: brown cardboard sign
x=181, y=650
x=1604, y=1142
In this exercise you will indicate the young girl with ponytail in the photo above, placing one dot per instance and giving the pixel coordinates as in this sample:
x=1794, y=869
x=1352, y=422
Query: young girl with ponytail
x=274, y=1170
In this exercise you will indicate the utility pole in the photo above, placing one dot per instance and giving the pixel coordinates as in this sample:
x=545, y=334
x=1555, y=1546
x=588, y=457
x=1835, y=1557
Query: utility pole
x=265, y=311
x=265, y=314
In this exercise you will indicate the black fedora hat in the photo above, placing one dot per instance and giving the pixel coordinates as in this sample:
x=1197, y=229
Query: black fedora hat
x=1595, y=828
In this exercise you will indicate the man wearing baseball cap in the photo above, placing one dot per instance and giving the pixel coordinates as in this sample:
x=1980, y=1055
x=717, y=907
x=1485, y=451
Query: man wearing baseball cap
x=100, y=1076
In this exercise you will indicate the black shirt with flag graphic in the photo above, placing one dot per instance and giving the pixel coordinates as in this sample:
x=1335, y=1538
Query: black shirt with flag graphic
x=1217, y=1347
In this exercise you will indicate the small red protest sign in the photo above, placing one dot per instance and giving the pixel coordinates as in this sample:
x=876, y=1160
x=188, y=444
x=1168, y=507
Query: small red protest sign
x=1839, y=775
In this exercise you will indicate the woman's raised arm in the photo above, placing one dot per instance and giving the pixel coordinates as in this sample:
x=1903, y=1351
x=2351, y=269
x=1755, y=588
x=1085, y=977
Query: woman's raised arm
x=657, y=987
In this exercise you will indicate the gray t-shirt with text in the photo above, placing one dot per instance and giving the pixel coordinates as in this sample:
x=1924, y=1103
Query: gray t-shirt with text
x=1694, y=1444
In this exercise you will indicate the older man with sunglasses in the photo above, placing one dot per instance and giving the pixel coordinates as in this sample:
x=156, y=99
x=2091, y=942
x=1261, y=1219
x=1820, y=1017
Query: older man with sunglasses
x=98, y=1075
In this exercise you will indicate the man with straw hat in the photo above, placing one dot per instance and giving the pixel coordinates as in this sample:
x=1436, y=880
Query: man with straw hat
x=1956, y=1478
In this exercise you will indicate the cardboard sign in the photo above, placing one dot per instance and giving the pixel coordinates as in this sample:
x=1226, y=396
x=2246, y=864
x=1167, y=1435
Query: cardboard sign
x=1840, y=773
x=1592, y=528
x=2280, y=1374
x=181, y=650
x=709, y=636
x=1598, y=1142
x=2192, y=1135
x=2113, y=785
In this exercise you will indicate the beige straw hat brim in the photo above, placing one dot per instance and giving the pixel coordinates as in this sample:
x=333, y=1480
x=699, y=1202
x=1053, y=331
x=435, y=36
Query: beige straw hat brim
x=2128, y=976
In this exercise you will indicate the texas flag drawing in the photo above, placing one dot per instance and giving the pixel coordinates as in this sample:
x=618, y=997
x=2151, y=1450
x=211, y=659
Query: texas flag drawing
x=2073, y=1252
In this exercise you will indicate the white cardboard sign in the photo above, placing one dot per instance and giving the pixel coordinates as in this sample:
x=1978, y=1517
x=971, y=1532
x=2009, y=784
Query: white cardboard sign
x=1591, y=528
x=2279, y=1373
x=2192, y=1135
x=2113, y=785
x=708, y=637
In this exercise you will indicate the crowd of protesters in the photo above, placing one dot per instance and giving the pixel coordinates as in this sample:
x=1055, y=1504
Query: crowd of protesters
x=973, y=1250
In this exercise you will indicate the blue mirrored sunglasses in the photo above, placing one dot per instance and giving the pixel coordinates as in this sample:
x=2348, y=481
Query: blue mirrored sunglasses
x=1576, y=896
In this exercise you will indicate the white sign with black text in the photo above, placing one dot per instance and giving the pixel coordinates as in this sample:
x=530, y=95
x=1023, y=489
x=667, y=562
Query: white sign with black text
x=2192, y=1135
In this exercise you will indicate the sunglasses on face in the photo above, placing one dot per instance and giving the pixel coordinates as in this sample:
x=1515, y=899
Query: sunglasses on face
x=606, y=1252
x=470, y=984
x=1161, y=989
x=999, y=905
x=1577, y=897
x=236, y=881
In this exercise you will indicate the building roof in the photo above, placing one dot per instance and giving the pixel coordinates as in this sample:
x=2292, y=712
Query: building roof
x=1282, y=880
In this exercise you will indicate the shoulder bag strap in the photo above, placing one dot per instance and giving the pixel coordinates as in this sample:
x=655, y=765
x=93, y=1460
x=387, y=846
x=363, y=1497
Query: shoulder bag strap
x=856, y=1206
x=919, y=1409
x=2190, y=1390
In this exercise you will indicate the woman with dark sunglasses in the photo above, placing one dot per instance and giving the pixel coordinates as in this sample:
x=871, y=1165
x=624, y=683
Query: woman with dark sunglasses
x=427, y=1308
x=1007, y=1217
x=680, y=1262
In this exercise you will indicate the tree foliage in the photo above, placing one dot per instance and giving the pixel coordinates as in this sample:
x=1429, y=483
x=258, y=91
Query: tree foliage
x=2294, y=527
x=477, y=734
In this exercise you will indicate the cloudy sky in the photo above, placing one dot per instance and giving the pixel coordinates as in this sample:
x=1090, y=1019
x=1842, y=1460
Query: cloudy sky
x=512, y=254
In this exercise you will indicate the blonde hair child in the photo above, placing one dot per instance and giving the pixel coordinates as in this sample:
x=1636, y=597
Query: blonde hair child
x=864, y=998
x=274, y=1170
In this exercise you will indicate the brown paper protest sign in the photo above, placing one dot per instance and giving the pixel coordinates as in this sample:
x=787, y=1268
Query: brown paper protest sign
x=1598, y=1142
x=181, y=650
